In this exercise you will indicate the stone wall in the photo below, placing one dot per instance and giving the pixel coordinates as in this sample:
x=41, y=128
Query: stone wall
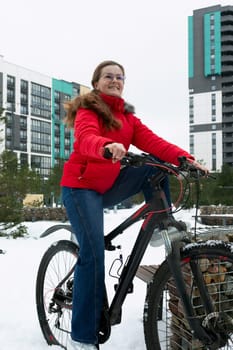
x=216, y=209
x=216, y=215
x=36, y=214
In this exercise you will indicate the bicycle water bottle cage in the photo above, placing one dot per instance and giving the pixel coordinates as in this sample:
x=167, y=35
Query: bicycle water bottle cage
x=110, y=247
x=130, y=290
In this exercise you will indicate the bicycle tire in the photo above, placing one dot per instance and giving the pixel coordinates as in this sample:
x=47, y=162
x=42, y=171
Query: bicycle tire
x=165, y=326
x=54, y=303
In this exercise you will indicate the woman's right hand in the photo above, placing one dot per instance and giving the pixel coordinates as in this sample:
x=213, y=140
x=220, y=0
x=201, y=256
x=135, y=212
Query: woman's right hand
x=117, y=149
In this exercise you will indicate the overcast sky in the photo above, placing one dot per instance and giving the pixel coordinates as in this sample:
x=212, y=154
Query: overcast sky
x=67, y=39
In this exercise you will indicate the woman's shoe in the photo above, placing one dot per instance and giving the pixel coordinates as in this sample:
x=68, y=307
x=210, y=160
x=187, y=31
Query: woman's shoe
x=75, y=345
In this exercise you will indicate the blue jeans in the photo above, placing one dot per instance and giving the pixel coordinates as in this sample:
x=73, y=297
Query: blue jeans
x=85, y=212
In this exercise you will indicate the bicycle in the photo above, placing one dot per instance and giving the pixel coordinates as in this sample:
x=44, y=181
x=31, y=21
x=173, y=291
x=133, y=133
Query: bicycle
x=189, y=301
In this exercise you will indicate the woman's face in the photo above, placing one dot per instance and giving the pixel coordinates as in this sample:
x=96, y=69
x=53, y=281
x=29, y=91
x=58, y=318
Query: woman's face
x=111, y=81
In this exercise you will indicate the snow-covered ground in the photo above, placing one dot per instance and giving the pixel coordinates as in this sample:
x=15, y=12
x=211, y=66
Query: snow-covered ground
x=19, y=327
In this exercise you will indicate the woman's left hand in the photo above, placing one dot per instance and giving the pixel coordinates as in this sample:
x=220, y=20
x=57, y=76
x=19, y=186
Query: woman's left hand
x=199, y=166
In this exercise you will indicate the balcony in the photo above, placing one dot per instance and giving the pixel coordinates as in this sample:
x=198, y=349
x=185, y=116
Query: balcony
x=227, y=68
x=227, y=28
x=227, y=139
x=226, y=120
x=227, y=48
x=227, y=19
x=227, y=109
x=228, y=160
x=227, y=99
x=227, y=59
x=227, y=39
x=229, y=86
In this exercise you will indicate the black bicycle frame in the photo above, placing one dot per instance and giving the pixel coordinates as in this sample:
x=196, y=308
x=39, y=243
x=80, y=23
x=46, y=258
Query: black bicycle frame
x=195, y=324
x=154, y=212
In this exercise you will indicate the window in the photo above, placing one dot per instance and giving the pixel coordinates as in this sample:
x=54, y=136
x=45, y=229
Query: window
x=23, y=85
x=40, y=136
x=23, y=135
x=23, y=122
x=23, y=98
x=214, y=151
x=66, y=97
x=41, y=164
x=40, y=100
x=191, y=144
x=10, y=81
x=23, y=158
x=213, y=107
x=191, y=110
x=57, y=95
x=76, y=91
x=23, y=110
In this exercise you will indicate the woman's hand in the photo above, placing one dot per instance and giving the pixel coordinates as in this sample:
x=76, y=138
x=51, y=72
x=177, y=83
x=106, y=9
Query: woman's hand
x=118, y=151
x=198, y=166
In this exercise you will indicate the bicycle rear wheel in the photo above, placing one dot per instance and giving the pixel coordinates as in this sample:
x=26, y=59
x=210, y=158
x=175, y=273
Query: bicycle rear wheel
x=165, y=325
x=54, y=286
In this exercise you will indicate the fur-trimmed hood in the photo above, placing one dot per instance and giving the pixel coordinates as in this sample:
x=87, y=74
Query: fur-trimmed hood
x=129, y=108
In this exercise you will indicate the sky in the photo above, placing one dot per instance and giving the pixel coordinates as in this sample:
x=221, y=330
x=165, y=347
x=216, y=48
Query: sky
x=19, y=326
x=68, y=39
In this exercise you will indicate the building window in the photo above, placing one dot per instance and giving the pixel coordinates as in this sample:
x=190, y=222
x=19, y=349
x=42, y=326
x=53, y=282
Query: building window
x=23, y=159
x=191, y=110
x=10, y=103
x=191, y=144
x=40, y=101
x=213, y=107
x=23, y=110
x=10, y=81
x=214, y=164
x=23, y=85
x=76, y=91
x=41, y=164
x=57, y=96
x=213, y=141
x=67, y=97
x=40, y=136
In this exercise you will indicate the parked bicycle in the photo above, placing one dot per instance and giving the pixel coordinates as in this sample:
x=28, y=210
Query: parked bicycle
x=189, y=301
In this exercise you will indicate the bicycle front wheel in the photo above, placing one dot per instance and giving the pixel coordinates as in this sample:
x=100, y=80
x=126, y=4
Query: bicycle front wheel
x=165, y=324
x=54, y=287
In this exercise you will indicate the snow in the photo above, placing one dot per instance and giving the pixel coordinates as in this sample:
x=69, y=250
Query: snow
x=19, y=327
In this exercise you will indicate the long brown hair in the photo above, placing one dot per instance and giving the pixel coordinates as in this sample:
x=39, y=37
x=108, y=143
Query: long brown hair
x=93, y=101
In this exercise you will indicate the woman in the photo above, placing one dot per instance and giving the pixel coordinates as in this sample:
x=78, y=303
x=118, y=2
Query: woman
x=90, y=182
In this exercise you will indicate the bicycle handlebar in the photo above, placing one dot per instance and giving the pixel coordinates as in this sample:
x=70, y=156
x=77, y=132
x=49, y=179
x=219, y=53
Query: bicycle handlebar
x=137, y=160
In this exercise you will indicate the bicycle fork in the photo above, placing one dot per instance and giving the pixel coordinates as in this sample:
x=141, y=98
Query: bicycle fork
x=173, y=257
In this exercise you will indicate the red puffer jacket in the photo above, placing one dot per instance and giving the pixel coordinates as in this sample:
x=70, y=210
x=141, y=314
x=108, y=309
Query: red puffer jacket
x=86, y=167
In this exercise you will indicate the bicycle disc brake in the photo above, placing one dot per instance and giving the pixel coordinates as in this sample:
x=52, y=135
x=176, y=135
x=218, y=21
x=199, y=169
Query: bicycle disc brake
x=220, y=324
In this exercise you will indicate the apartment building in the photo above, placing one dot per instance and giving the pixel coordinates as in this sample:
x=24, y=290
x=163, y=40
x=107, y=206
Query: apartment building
x=210, y=60
x=33, y=107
